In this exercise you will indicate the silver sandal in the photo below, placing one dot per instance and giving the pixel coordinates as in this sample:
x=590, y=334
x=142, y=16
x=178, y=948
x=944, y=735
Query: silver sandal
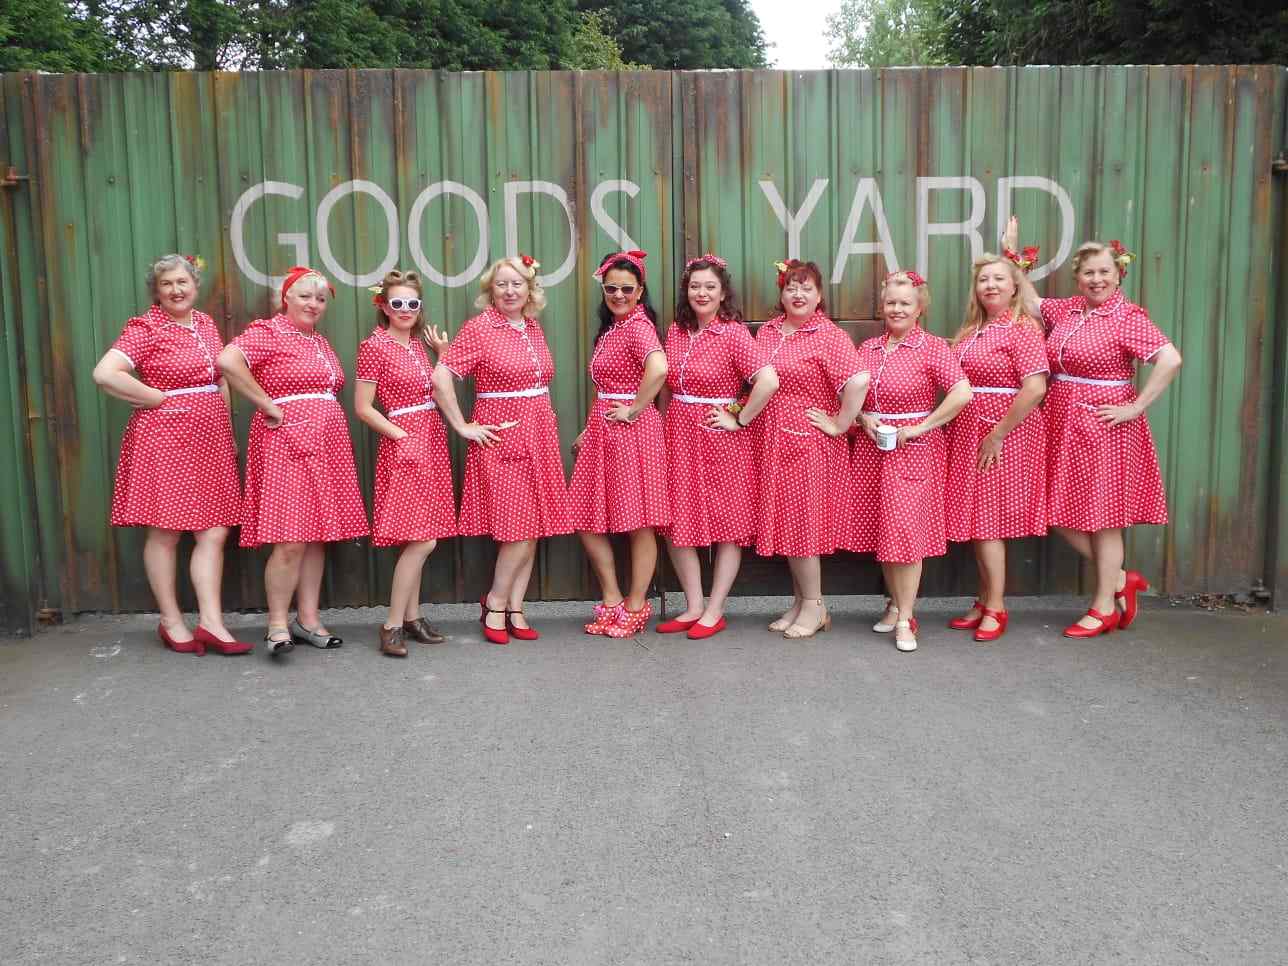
x=302, y=635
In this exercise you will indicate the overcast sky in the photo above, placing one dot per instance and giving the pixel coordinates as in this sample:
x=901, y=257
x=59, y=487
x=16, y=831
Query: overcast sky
x=795, y=28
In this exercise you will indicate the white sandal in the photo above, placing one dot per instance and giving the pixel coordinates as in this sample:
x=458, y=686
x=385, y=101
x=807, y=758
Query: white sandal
x=905, y=645
x=882, y=626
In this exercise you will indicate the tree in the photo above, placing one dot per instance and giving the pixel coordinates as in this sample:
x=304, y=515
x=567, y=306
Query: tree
x=593, y=46
x=1112, y=31
x=50, y=35
x=685, y=34
x=884, y=33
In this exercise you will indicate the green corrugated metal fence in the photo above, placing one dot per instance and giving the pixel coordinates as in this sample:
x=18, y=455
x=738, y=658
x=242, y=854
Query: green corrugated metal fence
x=357, y=171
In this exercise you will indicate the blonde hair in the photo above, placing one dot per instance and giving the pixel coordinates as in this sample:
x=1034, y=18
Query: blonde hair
x=168, y=263
x=536, y=294
x=397, y=279
x=1088, y=249
x=975, y=316
x=922, y=290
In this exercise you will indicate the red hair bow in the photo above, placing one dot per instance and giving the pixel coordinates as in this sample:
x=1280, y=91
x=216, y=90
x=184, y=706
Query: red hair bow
x=634, y=256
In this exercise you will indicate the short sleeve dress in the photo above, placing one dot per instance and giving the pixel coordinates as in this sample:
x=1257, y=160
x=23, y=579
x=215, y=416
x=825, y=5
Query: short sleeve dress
x=514, y=489
x=414, y=498
x=802, y=469
x=711, y=472
x=1099, y=477
x=1007, y=500
x=301, y=484
x=897, y=496
x=619, y=478
x=178, y=464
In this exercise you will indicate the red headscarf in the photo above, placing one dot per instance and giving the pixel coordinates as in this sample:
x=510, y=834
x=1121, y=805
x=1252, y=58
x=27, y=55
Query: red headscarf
x=296, y=273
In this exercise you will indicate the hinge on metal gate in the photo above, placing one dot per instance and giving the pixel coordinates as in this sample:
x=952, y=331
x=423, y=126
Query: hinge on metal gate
x=1278, y=166
x=12, y=177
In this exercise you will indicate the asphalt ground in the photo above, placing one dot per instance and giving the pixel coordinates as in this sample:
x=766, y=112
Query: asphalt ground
x=576, y=800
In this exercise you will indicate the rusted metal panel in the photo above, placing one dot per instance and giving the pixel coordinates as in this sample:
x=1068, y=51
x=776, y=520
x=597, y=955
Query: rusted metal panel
x=861, y=171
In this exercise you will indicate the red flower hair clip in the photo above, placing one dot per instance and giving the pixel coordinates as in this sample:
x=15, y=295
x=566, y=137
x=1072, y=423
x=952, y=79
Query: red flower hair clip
x=196, y=261
x=1122, y=256
x=529, y=261
x=1024, y=260
x=783, y=268
x=708, y=257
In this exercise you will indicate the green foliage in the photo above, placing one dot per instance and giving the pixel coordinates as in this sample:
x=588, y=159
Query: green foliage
x=1112, y=31
x=593, y=46
x=50, y=35
x=884, y=33
x=685, y=34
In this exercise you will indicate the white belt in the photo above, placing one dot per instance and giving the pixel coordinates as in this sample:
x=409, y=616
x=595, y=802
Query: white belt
x=705, y=400
x=996, y=390
x=1082, y=380
x=898, y=415
x=430, y=404
x=519, y=394
x=304, y=395
x=190, y=390
x=624, y=396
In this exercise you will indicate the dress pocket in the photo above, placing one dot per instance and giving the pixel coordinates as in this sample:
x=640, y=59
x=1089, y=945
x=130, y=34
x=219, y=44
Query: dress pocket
x=513, y=447
x=916, y=461
x=300, y=438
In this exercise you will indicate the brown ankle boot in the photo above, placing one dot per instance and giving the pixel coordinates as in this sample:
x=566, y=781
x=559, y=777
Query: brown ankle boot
x=391, y=641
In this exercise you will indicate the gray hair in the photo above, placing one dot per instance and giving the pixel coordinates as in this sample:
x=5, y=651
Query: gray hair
x=168, y=263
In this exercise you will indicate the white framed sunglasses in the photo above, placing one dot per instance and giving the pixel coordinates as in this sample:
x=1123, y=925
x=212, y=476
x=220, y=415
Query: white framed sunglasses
x=398, y=304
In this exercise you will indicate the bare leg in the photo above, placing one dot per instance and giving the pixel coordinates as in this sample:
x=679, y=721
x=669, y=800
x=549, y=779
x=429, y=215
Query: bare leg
x=1107, y=551
x=807, y=576
x=600, y=552
x=514, y=562
x=990, y=557
x=404, y=596
x=309, y=590
x=519, y=589
x=903, y=581
x=281, y=575
x=728, y=560
x=688, y=569
x=206, y=568
x=1080, y=540
x=643, y=566
x=792, y=613
x=160, y=552
x=1084, y=543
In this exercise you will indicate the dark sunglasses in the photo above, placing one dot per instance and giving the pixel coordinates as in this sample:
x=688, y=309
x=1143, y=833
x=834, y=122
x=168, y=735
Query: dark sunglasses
x=627, y=290
x=398, y=304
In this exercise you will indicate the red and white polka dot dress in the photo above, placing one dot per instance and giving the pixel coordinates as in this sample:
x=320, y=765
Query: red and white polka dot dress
x=514, y=489
x=1099, y=477
x=619, y=479
x=711, y=473
x=301, y=484
x=414, y=498
x=897, y=496
x=802, y=469
x=178, y=464
x=1007, y=500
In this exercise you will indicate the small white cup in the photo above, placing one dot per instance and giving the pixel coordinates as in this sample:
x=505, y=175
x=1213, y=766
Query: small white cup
x=887, y=437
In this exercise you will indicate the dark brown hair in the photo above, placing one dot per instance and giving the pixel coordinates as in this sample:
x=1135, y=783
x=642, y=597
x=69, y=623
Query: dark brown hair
x=729, y=310
x=798, y=271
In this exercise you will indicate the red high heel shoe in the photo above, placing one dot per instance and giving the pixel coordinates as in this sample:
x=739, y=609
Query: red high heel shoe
x=605, y=617
x=492, y=634
x=1126, y=598
x=519, y=633
x=1107, y=623
x=632, y=621
x=1000, y=616
x=193, y=646
x=674, y=626
x=213, y=643
x=968, y=623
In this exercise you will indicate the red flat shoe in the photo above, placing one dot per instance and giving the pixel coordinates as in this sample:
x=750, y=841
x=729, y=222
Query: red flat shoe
x=1126, y=598
x=519, y=633
x=968, y=623
x=674, y=626
x=1107, y=623
x=998, y=615
x=700, y=631
x=193, y=646
x=492, y=635
x=221, y=647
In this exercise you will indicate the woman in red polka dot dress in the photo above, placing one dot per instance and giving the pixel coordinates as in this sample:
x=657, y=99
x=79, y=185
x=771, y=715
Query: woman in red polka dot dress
x=514, y=479
x=178, y=465
x=619, y=479
x=710, y=450
x=301, y=486
x=802, y=448
x=415, y=506
x=1102, y=468
x=897, y=493
x=997, y=448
